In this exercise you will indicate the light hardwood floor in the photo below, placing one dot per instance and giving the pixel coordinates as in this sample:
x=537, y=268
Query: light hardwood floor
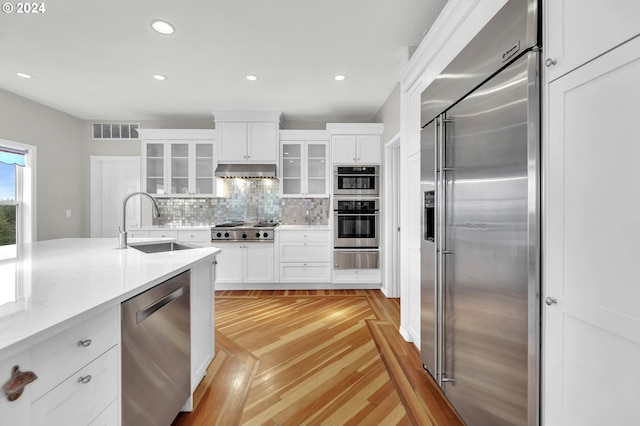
x=314, y=357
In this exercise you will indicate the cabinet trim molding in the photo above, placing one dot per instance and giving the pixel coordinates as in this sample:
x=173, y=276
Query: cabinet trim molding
x=265, y=116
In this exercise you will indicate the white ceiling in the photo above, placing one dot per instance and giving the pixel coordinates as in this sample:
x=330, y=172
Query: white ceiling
x=95, y=59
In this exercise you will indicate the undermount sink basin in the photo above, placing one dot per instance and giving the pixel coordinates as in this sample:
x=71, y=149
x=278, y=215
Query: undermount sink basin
x=160, y=247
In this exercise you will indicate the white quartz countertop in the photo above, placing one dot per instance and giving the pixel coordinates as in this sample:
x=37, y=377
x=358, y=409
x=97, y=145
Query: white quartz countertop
x=57, y=283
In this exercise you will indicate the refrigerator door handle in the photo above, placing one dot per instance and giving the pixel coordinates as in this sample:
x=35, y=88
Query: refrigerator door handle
x=439, y=214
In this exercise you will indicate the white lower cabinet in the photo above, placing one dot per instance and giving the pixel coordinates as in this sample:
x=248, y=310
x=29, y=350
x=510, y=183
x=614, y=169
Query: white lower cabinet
x=136, y=233
x=305, y=272
x=163, y=233
x=83, y=396
x=58, y=357
x=245, y=262
x=18, y=412
x=199, y=237
x=202, y=331
x=108, y=417
x=77, y=373
x=304, y=256
x=363, y=276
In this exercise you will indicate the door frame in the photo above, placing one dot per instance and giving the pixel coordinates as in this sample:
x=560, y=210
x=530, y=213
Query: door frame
x=391, y=258
x=96, y=164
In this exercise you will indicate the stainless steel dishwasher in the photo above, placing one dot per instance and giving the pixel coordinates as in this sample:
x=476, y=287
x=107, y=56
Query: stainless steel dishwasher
x=156, y=353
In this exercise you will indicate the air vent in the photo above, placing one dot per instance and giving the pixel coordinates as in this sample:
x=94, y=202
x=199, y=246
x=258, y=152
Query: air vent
x=112, y=131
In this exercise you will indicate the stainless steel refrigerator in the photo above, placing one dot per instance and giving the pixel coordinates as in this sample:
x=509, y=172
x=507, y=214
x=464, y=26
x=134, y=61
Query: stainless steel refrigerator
x=481, y=224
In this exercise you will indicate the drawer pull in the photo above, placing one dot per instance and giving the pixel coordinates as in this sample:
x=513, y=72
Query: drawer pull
x=84, y=379
x=84, y=343
x=15, y=386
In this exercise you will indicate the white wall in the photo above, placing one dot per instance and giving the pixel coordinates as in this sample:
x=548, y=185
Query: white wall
x=389, y=115
x=64, y=145
x=60, y=169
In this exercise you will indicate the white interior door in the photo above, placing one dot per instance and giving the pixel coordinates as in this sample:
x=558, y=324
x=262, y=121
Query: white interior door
x=111, y=179
x=591, y=333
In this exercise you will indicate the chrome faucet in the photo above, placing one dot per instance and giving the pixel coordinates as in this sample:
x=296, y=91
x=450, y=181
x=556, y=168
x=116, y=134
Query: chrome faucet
x=122, y=231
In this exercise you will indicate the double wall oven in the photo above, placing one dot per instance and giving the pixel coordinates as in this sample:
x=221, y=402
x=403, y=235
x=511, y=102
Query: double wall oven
x=356, y=217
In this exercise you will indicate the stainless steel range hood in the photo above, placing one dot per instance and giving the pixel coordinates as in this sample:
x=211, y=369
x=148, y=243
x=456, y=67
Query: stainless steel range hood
x=259, y=171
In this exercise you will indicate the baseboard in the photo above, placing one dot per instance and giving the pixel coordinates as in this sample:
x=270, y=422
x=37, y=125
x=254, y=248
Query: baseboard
x=405, y=334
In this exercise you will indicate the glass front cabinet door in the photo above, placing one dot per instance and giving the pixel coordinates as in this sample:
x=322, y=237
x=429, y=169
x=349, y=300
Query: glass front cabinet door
x=304, y=169
x=179, y=168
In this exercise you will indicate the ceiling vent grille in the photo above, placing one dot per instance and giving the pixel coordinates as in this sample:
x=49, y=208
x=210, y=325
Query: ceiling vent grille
x=112, y=131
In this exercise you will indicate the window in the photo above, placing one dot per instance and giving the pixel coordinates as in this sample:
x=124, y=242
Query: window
x=16, y=196
x=8, y=203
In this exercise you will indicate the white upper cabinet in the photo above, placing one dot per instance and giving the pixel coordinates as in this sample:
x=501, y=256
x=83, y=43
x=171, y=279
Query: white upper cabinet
x=578, y=31
x=250, y=137
x=234, y=136
x=591, y=319
x=355, y=149
x=355, y=143
x=262, y=142
x=178, y=162
x=305, y=163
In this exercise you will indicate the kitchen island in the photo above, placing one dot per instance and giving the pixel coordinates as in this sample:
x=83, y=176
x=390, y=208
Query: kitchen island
x=60, y=314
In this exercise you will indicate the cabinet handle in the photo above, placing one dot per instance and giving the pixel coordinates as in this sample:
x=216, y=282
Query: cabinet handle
x=84, y=379
x=84, y=343
x=14, y=387
x=550, y=62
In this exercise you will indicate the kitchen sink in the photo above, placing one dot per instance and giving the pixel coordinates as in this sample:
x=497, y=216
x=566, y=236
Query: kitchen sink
x=160, y=247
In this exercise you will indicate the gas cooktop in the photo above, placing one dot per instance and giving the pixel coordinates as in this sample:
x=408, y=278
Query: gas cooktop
x=241, y=231
x=246, y=225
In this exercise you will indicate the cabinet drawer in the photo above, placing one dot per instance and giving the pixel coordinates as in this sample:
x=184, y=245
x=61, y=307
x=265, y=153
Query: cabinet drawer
x=308, y=235
x=165, y=233
x=18, y=412
x=199, y=237
x=357, y=276
x=305, y=272
x=137, y=234
x=75, y=402
x=305, y=252
x=58, y=357
x=108, y=417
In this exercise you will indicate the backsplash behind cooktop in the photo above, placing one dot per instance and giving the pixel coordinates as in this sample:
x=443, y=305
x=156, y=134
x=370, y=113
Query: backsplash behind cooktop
x=247, y=200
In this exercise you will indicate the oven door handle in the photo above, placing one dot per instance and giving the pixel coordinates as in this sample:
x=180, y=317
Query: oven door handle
x=343, y=213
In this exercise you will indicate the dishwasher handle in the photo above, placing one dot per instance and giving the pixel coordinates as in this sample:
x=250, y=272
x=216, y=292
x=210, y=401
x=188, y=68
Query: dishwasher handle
x=143, y=314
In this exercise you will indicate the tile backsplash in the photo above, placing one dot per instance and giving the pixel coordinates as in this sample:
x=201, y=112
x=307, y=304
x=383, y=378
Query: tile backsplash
x=248, y=200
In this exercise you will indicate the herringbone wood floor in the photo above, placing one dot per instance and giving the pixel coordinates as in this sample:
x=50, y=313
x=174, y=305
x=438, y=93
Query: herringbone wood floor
x=311, y=358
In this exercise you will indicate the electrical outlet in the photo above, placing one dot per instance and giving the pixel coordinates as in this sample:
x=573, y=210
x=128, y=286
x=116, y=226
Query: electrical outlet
x=68, y=213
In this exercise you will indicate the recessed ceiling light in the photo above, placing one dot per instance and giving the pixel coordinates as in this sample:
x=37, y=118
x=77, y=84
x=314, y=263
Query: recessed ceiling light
x=159, y=77
x=339, y=77
x=252, y=77
x=23, y=75
x=163, y=27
